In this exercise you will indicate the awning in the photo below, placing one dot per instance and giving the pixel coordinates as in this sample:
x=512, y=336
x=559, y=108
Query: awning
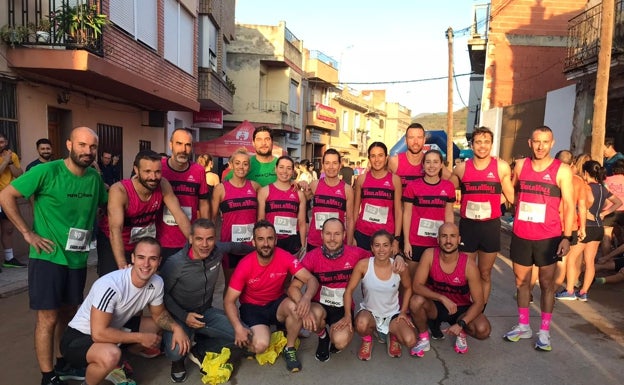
x=224, y=146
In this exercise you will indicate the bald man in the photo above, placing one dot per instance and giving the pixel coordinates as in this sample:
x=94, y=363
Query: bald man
x=67, y=194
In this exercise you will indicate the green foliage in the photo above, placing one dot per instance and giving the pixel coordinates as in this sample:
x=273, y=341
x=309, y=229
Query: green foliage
x=78, y=23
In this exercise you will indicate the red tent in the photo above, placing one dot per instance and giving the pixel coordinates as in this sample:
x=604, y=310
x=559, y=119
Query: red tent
x=224, y=146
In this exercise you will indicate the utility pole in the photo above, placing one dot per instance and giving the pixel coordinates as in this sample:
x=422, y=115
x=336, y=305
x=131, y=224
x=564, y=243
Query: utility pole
x=449, y=113
x=602, y=80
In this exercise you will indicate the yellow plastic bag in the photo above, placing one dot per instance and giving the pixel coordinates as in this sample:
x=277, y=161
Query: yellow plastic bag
x=276, y=345
x=216, y=367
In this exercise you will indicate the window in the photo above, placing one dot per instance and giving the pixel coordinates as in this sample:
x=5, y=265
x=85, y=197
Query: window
x=142, y=25
x=8, y=113
x=293, y=96
x=207, y=43
x=179, y=36
x=145, y=145
x=345, y=121
x=356, y=127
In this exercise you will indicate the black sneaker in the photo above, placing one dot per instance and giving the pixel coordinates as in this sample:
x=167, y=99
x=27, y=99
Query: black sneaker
x=292, y=363
x=54, y=381
x=322, y=348
x=197, y=357
x=333, y=349
x=70, y=373
x=434, y=327
x=14, y=263
x=178, y=371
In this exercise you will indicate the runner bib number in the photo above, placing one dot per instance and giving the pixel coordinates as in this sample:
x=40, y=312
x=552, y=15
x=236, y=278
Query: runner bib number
x=375, y=214
x=478, y=210
x=137, y=233
x=428, y=227
x=170, y=220
x=332, y=297
x=532, y=212
x=285, y=225
x=78, y=240
x=242, y=233
x=321, y=217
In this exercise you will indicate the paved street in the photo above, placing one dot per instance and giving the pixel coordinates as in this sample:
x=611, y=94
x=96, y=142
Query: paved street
x=588, y=348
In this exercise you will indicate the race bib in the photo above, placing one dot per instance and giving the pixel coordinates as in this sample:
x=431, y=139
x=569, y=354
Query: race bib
x=332, y=297
x=532, y=212
x=478, y=210
x=170, y=220
x=285, y=225
x=242, y=233
x=428, y=227
x=375, y=214
x=78, y=240
x=137, y=233
x=321, y=217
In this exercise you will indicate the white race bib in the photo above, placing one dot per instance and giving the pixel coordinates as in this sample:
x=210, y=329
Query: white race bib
x=332, y=297
x=137, y=233
x=532, y=212
x=478, y=210
x=170, y=220
x=285, y=225
x=78, y=240
x=375, y=214
x=242, y=233
x=429, y=227
x=321, y=217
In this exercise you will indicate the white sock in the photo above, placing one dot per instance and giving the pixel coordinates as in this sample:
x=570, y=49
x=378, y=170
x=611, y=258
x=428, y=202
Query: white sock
x=8, y=255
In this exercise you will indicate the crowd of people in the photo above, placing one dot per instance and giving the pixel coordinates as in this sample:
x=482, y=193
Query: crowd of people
x=293, y=248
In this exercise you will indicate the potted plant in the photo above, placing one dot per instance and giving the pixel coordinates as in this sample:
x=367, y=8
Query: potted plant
x=79, y=23
x=41, y=30
x=13, y=35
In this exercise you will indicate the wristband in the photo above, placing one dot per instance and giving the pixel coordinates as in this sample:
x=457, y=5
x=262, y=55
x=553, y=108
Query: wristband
x=462, y=323
x=568, y=237
x=398, y=238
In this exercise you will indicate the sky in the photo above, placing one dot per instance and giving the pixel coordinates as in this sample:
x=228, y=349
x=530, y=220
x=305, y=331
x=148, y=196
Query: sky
x=381, y=41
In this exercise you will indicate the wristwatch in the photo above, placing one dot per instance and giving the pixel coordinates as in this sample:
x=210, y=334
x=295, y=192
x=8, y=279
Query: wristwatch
x=462, y=323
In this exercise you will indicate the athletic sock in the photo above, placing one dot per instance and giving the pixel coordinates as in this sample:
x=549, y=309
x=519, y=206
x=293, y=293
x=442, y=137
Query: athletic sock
x=600, y=280
x=46, y=377
x=60, y=363
x=546, y=318
x=8, y=255
x=523, y=316
x=423, y=335
x=322, y=334
x=367, y=338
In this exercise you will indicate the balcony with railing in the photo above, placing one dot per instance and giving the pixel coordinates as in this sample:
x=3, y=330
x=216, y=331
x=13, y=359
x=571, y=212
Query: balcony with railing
x=584, y=37
x=322, y=67
x=61, y=24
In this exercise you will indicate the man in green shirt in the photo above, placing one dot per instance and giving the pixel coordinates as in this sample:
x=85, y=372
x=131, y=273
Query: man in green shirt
x=262, y=165
x=67, y=194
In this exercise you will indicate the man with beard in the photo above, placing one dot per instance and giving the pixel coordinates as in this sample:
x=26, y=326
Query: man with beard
x=188, y=181
x=544, y=188
x=259, y=283
x=9, y=170
x=44, y=148
x=108, y=168
x=66, y=195
x=133, y=208
x=447, y=288
x=262, y=165
x=190, y=278
x=408, y=164
x=482, y=179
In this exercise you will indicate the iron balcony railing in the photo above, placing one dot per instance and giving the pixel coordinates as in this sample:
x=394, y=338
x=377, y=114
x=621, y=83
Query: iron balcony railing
x=584, y=36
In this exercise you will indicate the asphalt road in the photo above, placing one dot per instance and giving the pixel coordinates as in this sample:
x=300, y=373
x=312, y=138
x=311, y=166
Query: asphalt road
x=587, y=338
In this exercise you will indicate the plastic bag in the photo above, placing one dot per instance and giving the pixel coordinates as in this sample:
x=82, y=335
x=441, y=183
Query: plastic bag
x=276, y=345
x=216, y=367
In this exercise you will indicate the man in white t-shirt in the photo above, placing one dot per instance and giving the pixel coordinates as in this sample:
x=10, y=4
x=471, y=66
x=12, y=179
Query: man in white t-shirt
x=93, y=336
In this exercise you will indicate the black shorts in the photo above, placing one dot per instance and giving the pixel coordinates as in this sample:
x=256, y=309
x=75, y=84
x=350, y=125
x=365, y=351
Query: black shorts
x=362, y=240
x=74, y=347
x=333, y=314
x=444, y=316
x=417, y=252
x=106, y=258
x=614, y=219
x=593, y=233
x=619, y=263
x=292, y=243
x=479, y=235
x=542, y=252
x=51, y=286
x=3, y=215
x=574, y=240
x=252, y=315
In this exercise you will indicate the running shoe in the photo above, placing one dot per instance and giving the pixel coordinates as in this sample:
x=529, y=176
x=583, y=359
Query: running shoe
x=434, y=328
x=292, y=363
x=581, y=297
x=150, y=352
x=394, y=347
x=421, y=347
x=70, y=373
x=119, y=377
x=197, y=357
x=322, y=349
x=563, y=295
x=54, y=381
x=543, y=341
x=178, y=371
x=461, y=345
x=366, y=350
x=518, y=332
x=14, y=263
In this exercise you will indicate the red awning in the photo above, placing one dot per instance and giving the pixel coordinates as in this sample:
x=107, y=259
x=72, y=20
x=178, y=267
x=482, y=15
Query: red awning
x=224, y=146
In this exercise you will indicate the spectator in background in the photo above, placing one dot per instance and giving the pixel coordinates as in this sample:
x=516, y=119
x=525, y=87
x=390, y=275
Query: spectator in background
x=613, y=221
x=226, y=170
x=9, y=170
x=304, y=172
x=359, y=170
x=611, y=155
x=110, y=171
x=346, y=172
x=312, y=171
x=44, y=148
